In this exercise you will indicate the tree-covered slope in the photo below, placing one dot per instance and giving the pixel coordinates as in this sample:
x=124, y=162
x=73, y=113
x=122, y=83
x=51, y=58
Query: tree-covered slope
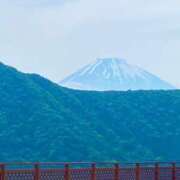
x=40, y=121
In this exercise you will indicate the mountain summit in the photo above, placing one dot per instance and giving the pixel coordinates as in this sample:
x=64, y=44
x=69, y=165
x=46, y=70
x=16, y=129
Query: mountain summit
x=113, y=74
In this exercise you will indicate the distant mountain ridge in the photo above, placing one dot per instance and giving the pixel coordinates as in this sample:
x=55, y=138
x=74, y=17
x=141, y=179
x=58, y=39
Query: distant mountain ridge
x=113, y=74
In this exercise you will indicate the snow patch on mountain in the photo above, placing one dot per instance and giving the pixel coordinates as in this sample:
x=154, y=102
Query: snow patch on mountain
x=113, y=74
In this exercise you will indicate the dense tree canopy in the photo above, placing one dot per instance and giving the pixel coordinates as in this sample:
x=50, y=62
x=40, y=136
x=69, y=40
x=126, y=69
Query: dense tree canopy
x=40, y=121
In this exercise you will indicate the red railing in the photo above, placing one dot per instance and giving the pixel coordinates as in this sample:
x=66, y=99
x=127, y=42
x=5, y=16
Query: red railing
x=89, y=171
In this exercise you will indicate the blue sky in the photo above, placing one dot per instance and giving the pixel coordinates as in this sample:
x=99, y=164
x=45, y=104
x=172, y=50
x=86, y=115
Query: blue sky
x=56, y=37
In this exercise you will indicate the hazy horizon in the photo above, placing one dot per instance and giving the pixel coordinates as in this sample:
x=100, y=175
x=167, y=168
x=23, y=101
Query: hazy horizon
x=55, y=38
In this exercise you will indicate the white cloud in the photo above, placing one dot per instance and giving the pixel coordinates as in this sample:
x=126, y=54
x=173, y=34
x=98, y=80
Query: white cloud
x=46, y=36
x=33, y=3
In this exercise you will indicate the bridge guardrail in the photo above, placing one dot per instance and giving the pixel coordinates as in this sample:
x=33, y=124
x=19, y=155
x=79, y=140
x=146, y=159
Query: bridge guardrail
x=90, y=171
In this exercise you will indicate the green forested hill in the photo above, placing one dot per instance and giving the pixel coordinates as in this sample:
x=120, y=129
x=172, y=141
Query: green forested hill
x=40, y=121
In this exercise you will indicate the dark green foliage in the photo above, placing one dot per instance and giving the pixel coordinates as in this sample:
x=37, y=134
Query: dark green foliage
x=40, y=121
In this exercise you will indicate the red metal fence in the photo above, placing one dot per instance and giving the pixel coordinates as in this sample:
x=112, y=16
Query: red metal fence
x=89, y=171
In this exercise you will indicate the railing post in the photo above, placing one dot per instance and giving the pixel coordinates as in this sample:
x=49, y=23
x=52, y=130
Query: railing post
x=93, y=171
x=3, y=172
x=67, y=174
x=157, y=171
x=173, y=171
x=36, y=171
x=117, y=172
x=138, y=171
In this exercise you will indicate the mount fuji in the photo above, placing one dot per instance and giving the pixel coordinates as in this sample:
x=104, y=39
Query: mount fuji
x=114, y=74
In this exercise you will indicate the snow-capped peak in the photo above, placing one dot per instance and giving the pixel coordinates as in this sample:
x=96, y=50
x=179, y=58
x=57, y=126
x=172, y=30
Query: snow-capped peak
x=112, y=60
x=106, y=63
x=113, y=74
